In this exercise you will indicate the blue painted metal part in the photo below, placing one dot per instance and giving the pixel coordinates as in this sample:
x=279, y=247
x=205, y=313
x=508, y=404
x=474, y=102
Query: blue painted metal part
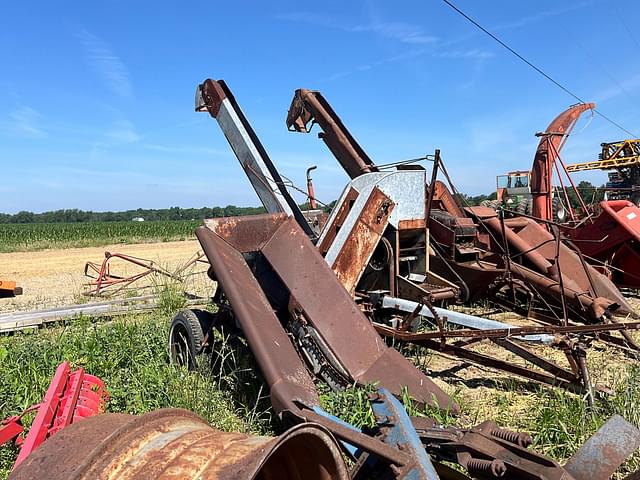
x=393, y=419
x=353, y=450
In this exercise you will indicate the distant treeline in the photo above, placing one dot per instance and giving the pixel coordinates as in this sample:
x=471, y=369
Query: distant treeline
x=173, y=213
x=589, y=192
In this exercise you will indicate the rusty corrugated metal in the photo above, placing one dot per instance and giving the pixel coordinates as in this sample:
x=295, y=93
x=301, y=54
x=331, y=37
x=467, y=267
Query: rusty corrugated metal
x=178, y=444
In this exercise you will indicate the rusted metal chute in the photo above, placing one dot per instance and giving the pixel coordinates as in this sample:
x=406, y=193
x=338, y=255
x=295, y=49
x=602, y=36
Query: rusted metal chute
x=214, y=97
x=280, y=287
x=548, y=153
x=309, y=107
x=178, y=444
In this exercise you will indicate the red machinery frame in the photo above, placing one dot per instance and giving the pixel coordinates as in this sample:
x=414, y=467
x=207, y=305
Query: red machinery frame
x=71, y=396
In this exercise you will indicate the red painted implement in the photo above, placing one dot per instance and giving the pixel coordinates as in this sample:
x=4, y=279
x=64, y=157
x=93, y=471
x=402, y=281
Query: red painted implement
x=71, y=396
x=611, y=241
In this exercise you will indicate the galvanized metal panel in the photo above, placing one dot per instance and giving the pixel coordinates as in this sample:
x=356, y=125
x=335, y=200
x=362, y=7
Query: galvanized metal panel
x=406, y=189
x=251, y=160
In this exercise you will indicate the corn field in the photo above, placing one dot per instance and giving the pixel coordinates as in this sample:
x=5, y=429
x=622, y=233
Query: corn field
x=37, y=236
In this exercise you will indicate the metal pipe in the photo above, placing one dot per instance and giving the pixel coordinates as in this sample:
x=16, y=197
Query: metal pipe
x=542, y=264
x=310, y=192
x=461, y=319
x=432, y=185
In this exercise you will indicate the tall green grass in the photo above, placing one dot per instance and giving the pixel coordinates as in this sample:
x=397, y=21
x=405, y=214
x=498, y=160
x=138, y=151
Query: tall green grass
x=130, y=355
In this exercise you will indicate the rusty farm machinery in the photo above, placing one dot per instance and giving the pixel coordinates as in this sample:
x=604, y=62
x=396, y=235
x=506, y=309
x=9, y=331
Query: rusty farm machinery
x=317, y=299
x=607, y=234
x=70, y=439
x=320, y=298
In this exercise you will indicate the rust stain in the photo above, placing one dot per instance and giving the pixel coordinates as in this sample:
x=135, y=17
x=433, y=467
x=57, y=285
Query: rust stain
x=363, y=239
x=334, y=227
x=177, y=444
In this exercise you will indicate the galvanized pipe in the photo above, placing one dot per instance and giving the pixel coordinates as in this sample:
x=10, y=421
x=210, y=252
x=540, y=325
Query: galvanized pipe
x=461, y=319
x=178, y=444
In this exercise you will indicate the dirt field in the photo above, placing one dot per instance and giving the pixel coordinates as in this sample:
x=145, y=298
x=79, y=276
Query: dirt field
x=53, y=278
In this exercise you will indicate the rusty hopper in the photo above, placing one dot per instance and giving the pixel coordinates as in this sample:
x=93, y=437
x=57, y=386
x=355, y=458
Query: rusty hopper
x=281, y=290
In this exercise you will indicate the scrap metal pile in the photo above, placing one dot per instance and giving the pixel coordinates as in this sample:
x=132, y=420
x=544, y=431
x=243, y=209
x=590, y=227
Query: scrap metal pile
x=314, y=297
x=322, y=298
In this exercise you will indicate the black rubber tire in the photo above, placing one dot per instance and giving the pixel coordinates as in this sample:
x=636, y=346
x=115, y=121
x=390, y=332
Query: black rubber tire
x=186, y=336
x=491, y=204
x=559, y=212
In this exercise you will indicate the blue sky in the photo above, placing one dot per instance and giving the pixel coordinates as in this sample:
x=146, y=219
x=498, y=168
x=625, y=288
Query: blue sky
x=96, y=98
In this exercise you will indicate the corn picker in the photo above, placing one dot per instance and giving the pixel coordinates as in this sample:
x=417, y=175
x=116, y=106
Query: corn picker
x=320, y=299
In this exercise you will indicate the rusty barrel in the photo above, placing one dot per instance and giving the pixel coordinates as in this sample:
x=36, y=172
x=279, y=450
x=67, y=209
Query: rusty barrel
x=178, y=444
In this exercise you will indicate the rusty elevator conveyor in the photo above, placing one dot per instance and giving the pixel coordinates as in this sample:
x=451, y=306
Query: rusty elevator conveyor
x=277, y=284
x=281, y=289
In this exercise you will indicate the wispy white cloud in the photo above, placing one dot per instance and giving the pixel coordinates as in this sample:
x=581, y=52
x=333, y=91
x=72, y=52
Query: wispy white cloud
x=476, y=55
x=402, y=32
x=106, y=64
x=473, y=54
x=537, y=17
x=123, y=131
x=399, y=31
x=24, y=121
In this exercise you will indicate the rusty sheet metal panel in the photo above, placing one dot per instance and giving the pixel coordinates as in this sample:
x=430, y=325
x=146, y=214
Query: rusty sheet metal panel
x=414, y=224
x=177, y=444
x=247, y=233
x=281, y=366
x=363, y=239
x=605, y=451
x=443, y=195
x=331, y=230
x=337, y=318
